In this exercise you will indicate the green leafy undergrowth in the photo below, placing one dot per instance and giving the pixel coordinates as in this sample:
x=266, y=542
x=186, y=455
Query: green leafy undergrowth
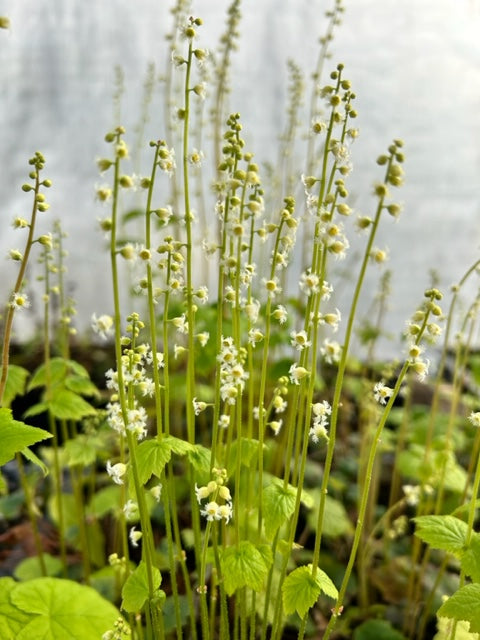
x=65, y=382
x=53, y=609
x=15, y=436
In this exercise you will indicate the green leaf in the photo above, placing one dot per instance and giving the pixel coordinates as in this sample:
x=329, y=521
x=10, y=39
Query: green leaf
x=59, y=369
x=32, y=457
x=12, y=620
x=278, y=505
x=178, y=446
x=15, y=435
x=105, y=500
x=243, y=566
x=248, y=450
x=61, y=610
x=301, y=590
x=82, y=450
x=152, y=456
x=135, y=591
x=445, y=625
x=16, y=382
x=67, y=405
x=199, y=457
x=464, y=605
x=335, y=518
x=442, y=532
x=31, y=567
x=378, y=629
x=470, y=562
x=81, y=385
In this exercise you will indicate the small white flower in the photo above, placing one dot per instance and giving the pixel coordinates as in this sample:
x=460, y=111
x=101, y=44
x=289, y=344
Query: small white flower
x=331, y=351
x=198, y=406
x=275, y=426
x=225, y=511
x=382, y=393
x=134, y=536
x=412, y=494
x=156, y=491
x=181, y=323
x=421, y=368
x=102, y=325
x=130, y=510
x=474, y=418
x=224, y=421
x=19, y=301
x=196, y=157
x=318, y=432
x=297, y=373
x=203, y=338
x=279, y=404
x=116, y=471
x=280, y=314
x=211, y=511
x=299, y=340
x=320, y=409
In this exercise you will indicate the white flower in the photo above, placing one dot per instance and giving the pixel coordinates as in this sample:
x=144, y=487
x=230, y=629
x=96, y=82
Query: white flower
x=102, y=325
x=474, y=418
x=224, y=421
x=181, y=323
x=421, y=368
x=130, y=510
x=116, y=471
x=280, y=314
x=137, y=422
x=279, y=404
x=196, y=157
x=297, y=373
x=275, y=426
x=225, y=511
x=272, y=287
x=19, y=301
x=300, y=340
x=309, y=282
x=211, y=511
x=412, y=494
x=203, y=338
x=320, y=409
x=156, y=491
x=167, y=160
x=382, y=393
x=331, y=351
x=318, y=432
x=198, y=406
x=134, y=536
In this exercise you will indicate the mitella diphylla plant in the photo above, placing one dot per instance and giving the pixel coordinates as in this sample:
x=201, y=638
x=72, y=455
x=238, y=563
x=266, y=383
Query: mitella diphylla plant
x=229, y=479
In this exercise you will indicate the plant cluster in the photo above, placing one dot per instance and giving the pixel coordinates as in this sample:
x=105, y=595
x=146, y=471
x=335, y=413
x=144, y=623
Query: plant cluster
x=239, y=473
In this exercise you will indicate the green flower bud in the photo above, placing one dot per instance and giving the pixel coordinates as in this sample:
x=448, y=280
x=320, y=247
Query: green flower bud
x=4, y=22
x=15, y=254
x=104, y=164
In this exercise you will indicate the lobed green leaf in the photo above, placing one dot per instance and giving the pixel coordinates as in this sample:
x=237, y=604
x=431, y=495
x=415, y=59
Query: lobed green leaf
x=15, y=385
x=301, y=590
x=55, y=609
x=152, y=456
x=464, y=605
x=15, y=435
x=136, y=591
x=442, y=532
x=244, y=565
